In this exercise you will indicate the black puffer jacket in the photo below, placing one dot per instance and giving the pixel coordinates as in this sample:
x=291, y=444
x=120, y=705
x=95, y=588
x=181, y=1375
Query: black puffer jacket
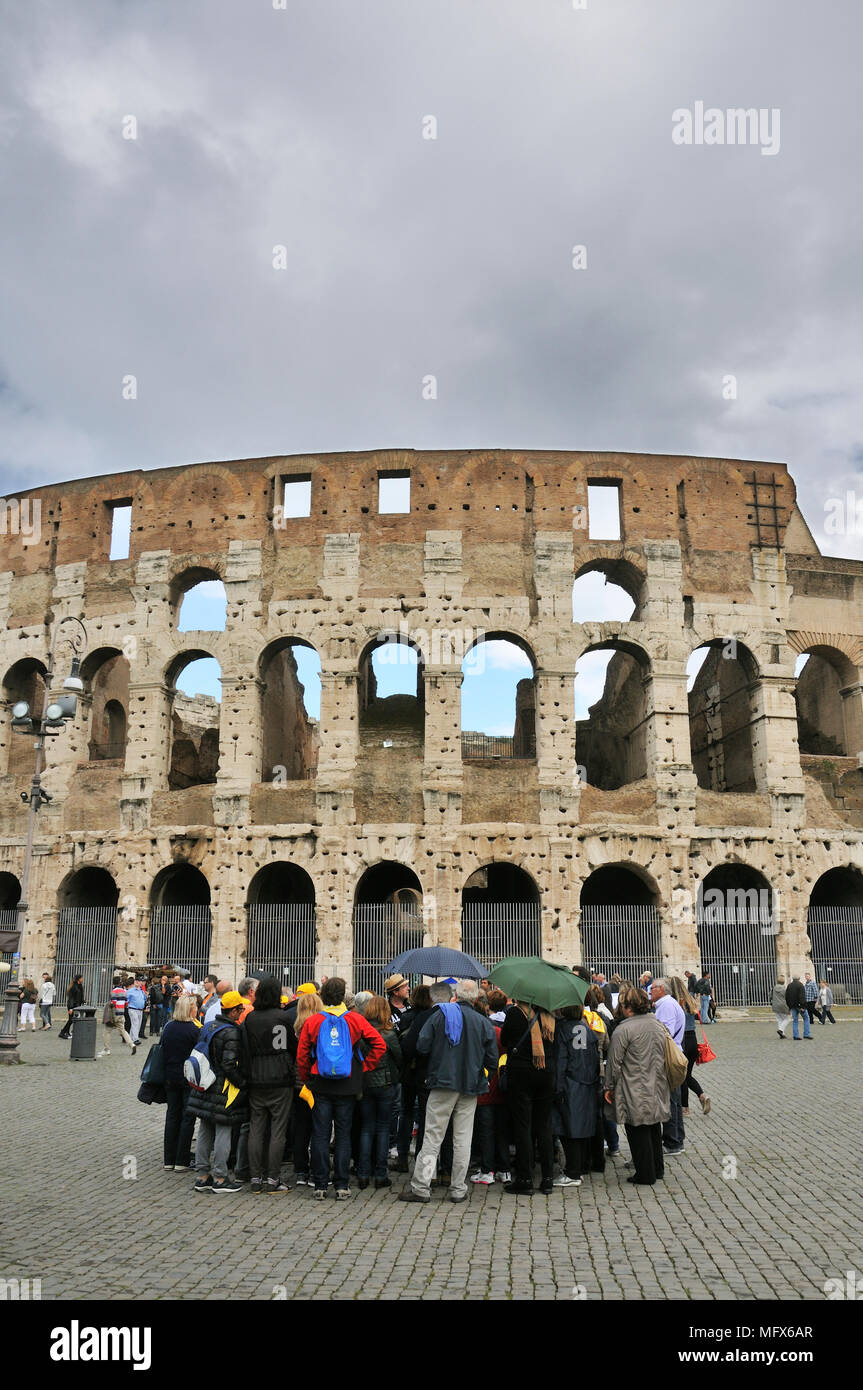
x=388, y=1071
x=795, y=995
x=271, y=1048
x=227, y=1058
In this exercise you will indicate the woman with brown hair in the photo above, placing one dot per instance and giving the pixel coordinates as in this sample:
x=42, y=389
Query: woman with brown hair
x=380, y=1087
x=689, y=1045
x=307, y=1004
x=637, y=1085
x=527, y=1038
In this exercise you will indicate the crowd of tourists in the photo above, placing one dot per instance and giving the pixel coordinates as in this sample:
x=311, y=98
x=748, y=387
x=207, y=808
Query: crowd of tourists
x=451, y=1083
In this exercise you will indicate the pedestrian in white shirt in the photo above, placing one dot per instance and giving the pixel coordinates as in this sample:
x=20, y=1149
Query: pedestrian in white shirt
x=46, y=999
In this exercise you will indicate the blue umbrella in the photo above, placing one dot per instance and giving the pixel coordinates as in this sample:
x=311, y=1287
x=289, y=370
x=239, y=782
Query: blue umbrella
x=439, y=961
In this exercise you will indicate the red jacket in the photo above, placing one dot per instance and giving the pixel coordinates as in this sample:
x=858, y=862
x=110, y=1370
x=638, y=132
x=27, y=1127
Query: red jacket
x=307, y=1065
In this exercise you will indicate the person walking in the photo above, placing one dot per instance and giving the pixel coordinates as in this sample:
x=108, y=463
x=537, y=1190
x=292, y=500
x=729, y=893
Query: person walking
x=825, y=999
x=136, y=1000
x=637, y=1084
x=462, y=1052
x=704, y=989
x=779, y=1005
x=74, y=999
x=28, y=994
x=795, y=998
x=689, y=1046
x=527, y=1038
x=114, y=1018
x=271, y=1047
x=329, y=1064
x=576, y=1081
x=179, y=1036
x=669, y=1012
x=46, y=999
x=380, y=1088
x=224, y=1106
x=811, y=991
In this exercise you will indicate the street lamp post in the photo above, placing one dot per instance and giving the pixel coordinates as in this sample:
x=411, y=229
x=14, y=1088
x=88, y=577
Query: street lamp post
x=53, y=718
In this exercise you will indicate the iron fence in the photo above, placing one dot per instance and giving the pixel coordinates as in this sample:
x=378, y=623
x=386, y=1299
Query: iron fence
x=739, y=950
x=836, y=944
x=475, y=745
x=8, y=922
x=625, y=939
x=181, y=936
x=282, y=940
x=382, y=931
x=86, y=942
x=492, y=931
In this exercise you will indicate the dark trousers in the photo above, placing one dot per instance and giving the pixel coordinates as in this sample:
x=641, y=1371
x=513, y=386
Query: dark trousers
x=376, y=1112
x=673, y=1133
x=645, y=1145
x=302, y=1116
x=179, y=1125
x=812, y=1009
x=491, y=1137
x=825, y=1014
x=689, y=1047
x=332, y=1112
x=406, y=1121
x=531, y=1096
x=578, y=1156
x=66, y=1030
x=270, y=1107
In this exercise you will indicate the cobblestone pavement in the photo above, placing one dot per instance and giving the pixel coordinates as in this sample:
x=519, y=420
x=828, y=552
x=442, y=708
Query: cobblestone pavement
x=786, y=1119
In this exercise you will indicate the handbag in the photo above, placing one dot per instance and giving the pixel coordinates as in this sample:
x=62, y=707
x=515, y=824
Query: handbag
x=704, y=1053
x=502, y=1077
x=108, y=1014
x=676, y=1065
x=153, y=1070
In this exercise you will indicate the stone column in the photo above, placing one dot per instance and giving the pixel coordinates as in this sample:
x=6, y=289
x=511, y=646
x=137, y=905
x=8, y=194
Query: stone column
x=558, y=775
x=775, y=751
x=852, y=717
x=442, y=762
x=669, y=754
x=339, y=743
x=240, y=748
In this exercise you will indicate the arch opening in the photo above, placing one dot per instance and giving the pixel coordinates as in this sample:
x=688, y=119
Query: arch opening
x=181, y=926
x=722, y=712
x=498, y=676
x=821, y=673
x=391, y=691
x=387, y=919
x=199, y=601
x=196, y=678
x=620, y=925
x=106, y=679
x=606, y=591
x=25, y=680
x=500, y=914
x=290, y=711
x=835, y=926
x=737, y=921
x=280, y=915
x=611, y=719
x=86, y=932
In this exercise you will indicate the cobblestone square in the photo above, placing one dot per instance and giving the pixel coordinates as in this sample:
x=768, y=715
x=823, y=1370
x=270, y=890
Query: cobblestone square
x=772, y=1179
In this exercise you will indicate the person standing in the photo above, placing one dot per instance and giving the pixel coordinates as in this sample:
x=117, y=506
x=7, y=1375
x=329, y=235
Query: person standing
x=271, y=1051
x=380, y=1088
x=704, y=989
x=29, y=995
x=46, y=999
x=577, y=1071
x=462, y=1053
x=211, y=1007
x=179, y=1036
x=669, y=1012
x=74, y=999
x=810, y=989
x=135, y=1003
x=778, y=1004
x=637, y=1084
x=527, y=1038
x=156, y=999
x=825, y=999
x=689, y=1046
x=330, y=1067
x=225, y=1105
x=795, y=998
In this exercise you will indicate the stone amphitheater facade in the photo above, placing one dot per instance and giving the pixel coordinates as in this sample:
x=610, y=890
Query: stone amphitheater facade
x=712, y=551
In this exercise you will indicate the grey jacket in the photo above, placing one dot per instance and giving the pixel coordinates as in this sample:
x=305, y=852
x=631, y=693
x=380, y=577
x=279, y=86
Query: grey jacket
x=636, y=1071
x=777, y=1001
x=461, y=1068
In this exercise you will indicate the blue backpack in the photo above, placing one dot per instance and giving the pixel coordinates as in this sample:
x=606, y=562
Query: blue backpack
x=334, y=1051
x=197, y=1068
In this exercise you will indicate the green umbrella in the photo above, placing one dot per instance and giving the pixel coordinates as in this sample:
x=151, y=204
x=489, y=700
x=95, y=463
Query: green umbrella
x=539, y=982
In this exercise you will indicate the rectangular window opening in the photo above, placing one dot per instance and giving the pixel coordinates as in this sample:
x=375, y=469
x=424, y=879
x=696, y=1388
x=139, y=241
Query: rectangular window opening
x=297, y=495
x=603, y=510
x=394, y=492
x=121, y=528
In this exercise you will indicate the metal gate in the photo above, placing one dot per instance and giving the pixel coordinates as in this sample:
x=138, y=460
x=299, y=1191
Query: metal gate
x=282, y=941
x=492, y=931
x=623, y=939
x=181, y=936
x=836, y=941
x=8, y=922
x=86, y=942
x=739, y=950
x=381, y=932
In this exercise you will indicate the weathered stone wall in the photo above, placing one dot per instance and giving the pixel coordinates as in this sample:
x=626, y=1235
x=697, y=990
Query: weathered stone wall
x=491, y=546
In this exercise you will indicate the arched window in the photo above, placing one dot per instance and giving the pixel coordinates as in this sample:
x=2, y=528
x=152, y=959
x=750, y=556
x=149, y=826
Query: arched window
x=498, y=700
x=180, y=923
x=737, y=927
x=196, y=680
x=86, y=933
x=821, y=673
x=620, y=927
x=835, y=926
x=611, y=714
x=199, y=602
x=290, y=711
x=722, y=677
x=281, y=923
x=105, y=674
x=500, y=914
x=23, y=681
x=387, y=920
x=605, y=590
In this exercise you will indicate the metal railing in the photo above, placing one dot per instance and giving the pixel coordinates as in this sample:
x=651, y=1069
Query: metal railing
x=622, y=938
x=86, y=943
x=739, y=950
x=836, y=942
x=382, y=931
x=282, y=940
x=492, y=931
x=476, y=746
x=181, y=936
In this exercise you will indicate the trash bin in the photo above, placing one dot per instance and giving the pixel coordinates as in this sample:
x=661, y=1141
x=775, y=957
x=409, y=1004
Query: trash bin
x=83, y=1033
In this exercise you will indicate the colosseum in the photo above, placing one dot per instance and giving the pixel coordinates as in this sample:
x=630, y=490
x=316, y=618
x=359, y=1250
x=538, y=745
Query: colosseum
x=702, y=811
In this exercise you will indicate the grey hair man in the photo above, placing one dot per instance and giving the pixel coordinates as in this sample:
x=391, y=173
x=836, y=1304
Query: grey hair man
x=462, y=1052
x=669, y=1012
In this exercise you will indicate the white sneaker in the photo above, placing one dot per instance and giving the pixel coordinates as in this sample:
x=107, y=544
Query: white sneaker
x=504, y=1175
x=393, y=1153
x=485, y=1178
x=103, y=1053
x=564, y=1181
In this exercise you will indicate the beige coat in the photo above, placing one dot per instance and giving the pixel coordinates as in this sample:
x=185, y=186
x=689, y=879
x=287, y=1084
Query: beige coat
x=636, y=1071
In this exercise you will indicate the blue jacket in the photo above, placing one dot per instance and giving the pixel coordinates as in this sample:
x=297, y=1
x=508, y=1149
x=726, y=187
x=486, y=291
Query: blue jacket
x=461, y=1068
